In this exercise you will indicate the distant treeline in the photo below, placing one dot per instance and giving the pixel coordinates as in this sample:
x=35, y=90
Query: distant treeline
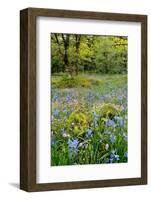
x=74, y=53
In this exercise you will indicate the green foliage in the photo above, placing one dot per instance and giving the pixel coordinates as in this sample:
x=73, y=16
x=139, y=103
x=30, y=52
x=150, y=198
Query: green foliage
x=56, y=61
x=60, y=157
x=74, y=82
x=108, y=110
x=101, y=54
x=111, y=55
x=77, y=123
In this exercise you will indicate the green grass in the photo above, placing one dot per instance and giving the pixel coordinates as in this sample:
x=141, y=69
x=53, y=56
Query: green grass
x=74, y=82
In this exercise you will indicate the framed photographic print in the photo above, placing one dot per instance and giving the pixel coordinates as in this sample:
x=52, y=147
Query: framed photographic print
x=83, y=99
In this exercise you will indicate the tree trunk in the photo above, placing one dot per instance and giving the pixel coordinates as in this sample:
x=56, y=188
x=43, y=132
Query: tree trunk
x=65, y=38
x=77, y=39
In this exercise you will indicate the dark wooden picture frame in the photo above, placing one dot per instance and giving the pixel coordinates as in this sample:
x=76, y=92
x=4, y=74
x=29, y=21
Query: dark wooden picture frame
x=28, y=98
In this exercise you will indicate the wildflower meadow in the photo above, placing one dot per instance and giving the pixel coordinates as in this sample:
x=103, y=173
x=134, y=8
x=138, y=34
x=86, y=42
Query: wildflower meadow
x=88, y=104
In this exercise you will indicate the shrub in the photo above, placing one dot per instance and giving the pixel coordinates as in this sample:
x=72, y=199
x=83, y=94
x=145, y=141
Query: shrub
x=108, y=110
x=77, y=123
x=74, y=82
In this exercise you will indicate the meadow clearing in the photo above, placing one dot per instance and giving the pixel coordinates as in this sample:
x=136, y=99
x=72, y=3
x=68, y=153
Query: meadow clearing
x=88, y=119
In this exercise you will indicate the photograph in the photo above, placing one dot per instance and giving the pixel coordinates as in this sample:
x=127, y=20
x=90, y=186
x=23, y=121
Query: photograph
x=88, y=99
x=83, y=99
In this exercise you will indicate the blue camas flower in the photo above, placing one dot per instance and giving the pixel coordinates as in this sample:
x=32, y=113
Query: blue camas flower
x=110, y=122
x=95, y=119
x=56, y=113
x=121, y=123
x=56, y=97
x=116, y=118
x=126, y=155
x=73, y=144
x=89, y=133
x=114, y=157
x=112, y=138
x=53, y=140
x=120, y=98
x=90, y=97
x=68, y=98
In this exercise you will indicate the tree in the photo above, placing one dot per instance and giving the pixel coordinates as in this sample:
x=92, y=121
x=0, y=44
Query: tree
x=74, y=53
x=77, y=44
x=65, y=38
x=111, y=54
